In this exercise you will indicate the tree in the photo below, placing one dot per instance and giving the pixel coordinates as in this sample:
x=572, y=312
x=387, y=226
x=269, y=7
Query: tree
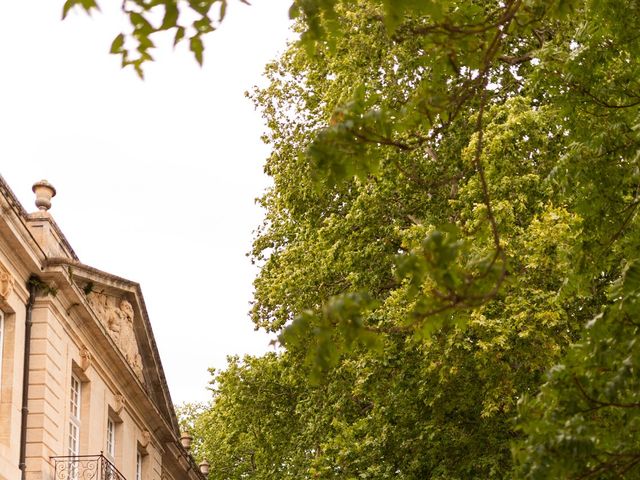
x=414, y=239
x=454, y=212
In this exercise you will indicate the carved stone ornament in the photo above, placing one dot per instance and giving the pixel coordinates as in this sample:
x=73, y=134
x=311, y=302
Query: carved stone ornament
x=145, y=438
x=6, y=282
x=85, y=359
x=118, y=318
x=118, y=403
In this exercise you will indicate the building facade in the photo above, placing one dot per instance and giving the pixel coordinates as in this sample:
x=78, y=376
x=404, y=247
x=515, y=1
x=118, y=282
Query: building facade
x=82, y=390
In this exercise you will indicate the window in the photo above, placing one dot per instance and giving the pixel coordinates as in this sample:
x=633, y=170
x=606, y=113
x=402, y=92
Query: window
x=74, y=426
x=111, y=438
x=138, y=466
x=74, y=416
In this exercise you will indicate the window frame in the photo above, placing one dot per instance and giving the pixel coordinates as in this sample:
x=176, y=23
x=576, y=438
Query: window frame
x=111, y=439
x=75, y=403
x=138, y=465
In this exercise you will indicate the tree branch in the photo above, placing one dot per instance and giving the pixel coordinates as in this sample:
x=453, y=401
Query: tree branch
x=599, y=403
x=513, y=60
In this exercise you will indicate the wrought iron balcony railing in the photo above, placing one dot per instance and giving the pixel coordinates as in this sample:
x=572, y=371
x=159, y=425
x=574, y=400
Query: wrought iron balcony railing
x=85, y=467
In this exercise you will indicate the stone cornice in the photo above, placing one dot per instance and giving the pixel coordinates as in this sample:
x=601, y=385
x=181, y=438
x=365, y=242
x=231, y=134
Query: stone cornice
x=11, y=198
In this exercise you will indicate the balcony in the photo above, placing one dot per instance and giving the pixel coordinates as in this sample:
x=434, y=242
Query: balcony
x=85, y=467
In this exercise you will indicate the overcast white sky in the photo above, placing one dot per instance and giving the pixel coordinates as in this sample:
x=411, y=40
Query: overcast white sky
x=156, y=180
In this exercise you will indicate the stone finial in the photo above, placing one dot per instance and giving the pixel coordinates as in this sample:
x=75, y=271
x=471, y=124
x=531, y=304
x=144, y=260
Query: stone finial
x=204, y=467
x=44, y=193
x=185, y=440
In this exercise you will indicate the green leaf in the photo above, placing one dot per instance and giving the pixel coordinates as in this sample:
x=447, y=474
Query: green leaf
x=137, y=65
x=140, y=24
x=170, y=15
x=196, y=46
x=180, y=31
x=201, y=7
x=67, y=6
x=203, y=25
x=88, y=5
x=294, y=11
x=223, y=9
x=116, y=45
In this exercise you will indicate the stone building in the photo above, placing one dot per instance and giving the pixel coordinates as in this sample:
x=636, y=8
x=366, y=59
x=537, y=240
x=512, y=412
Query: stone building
x=82, y=390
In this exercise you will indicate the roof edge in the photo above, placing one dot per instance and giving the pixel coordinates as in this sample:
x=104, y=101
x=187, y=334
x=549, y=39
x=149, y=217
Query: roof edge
x=13, y=200
x=11, y=197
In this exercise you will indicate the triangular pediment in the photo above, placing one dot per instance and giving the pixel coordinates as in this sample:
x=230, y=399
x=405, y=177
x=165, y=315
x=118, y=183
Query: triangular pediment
x=117, y=308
